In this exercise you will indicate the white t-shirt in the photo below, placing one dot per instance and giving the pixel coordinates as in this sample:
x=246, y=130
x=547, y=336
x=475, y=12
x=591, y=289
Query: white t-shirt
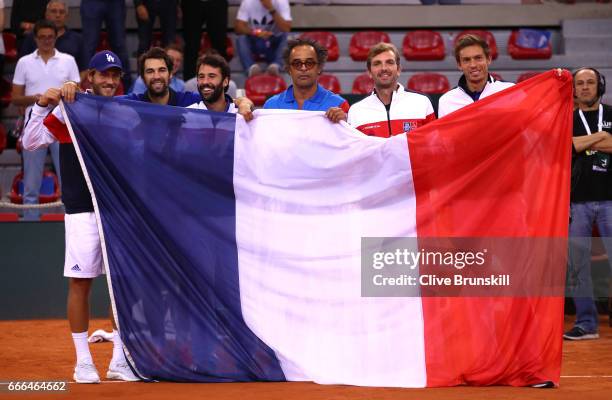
x=37, y=76
x=255, y=14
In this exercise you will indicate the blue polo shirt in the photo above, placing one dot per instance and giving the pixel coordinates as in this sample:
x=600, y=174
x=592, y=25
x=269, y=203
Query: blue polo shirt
x=322, y=100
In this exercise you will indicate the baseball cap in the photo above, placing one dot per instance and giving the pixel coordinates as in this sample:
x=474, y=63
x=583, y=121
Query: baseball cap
x=104, y=60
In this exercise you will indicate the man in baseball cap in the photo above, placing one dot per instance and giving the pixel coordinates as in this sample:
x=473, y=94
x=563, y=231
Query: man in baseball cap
x=83, y=260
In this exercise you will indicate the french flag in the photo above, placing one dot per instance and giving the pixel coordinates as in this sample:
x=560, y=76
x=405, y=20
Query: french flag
x=233, y=249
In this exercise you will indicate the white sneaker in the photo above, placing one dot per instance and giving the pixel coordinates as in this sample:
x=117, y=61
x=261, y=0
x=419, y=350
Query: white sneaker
x=273, y=69
x=121, y=371
x=254, y=70
x=100, y=336
x=86, y=372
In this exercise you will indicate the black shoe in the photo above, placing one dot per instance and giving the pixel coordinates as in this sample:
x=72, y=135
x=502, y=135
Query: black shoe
x=577, y=333
x=544, y=385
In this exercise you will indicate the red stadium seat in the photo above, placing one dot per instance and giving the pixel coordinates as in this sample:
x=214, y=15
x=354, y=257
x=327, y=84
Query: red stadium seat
x=10, y=46
x=330, y=82
x=49, y=189
x=529, y=44
x=3, y=138
x=205, y=45
x=363, y=84
x=5, y=92
x=9, y=217
x=103, y=44
x=423, y=45
x=486, y=35
x=258, y=88
x=51, y=217
x=429, y=82
x=361, y=42
x=526, y=75
x=328, y=40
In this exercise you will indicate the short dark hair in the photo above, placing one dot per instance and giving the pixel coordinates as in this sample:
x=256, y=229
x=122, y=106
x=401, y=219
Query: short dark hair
x=381, y=48
x=471, y=40
x=175, y=47
x=214, y=60
x=156, y=53
x=44, y=24
x=318, y=48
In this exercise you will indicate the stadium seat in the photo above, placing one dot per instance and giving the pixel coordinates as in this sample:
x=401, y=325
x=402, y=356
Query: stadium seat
x=526, y=75
x=429, y=82
x=328, y=40
x=258, y=88
x=49, y=189
x=486, y=35
x=3, y=138
x=423, y=45
x=104, y=43
x=361, y=42
x=205, y=45
x=529, y=44
x=10, y=46
x=5, y=92
x=52, y=217
x=330, y=82
x=9, y=217
x=363, y=84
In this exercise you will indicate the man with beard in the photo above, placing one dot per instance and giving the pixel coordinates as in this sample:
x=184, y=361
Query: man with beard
x=83, y=260
x=213, y=76
x=156, y=68
x=390, y=109
x=304, y=60
x=591, y=195
x=473, y=59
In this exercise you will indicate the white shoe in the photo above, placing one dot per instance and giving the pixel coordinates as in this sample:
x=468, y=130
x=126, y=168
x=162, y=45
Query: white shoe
x=254, y=70
x=100, y=336
x=86, y=372
x=273, y=69
x=121, y=371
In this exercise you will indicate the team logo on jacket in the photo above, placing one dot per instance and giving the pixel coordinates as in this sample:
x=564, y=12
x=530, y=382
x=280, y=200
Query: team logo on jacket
x=407, y=127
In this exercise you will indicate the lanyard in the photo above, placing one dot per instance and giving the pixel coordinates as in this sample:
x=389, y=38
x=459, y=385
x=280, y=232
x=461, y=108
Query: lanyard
x=599, y=121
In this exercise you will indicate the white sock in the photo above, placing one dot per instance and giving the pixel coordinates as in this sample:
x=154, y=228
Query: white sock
x=118, y=355
x=81, y=346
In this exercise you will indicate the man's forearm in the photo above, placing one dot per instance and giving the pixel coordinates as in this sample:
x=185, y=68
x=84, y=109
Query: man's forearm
x=604, y=145
x=25, y=100
x=582, y=143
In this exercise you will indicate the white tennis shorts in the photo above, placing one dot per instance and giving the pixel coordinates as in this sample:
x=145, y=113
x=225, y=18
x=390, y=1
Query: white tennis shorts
x=83, y=250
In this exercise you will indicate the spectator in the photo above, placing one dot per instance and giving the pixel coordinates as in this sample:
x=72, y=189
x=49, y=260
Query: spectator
x=390, y=109
x=112, y=14
x=304, y=60
x=24, y=14
x=473, y=59
x=591, y=195
x=155, y=68
x=68, y=41
x=176, y=83
x=34, y=74
x=263, y=26
x=195, y=13
x=146, y=13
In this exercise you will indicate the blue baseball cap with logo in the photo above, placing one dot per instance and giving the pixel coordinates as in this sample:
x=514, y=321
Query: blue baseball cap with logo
x=104, y=60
